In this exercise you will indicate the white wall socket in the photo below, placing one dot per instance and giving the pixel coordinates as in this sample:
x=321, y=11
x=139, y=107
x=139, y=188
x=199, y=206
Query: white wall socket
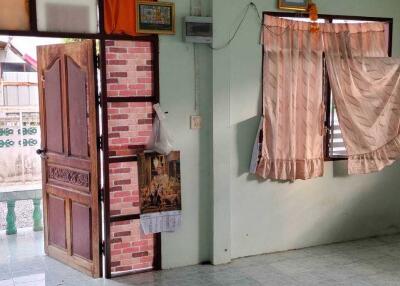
x=195, y=122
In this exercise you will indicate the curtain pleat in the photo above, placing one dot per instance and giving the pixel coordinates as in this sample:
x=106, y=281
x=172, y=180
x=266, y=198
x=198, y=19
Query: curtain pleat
x=292, y=146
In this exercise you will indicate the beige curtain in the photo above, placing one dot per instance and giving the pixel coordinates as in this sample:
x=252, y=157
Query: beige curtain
x=366, y=89
x=292, y=145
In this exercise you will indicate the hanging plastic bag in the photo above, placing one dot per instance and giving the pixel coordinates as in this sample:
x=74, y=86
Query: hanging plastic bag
x=160, y=140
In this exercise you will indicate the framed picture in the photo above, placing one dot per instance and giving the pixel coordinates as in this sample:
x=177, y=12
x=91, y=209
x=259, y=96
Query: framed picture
x=159, y=182
x=155, y=17
x=297, y=5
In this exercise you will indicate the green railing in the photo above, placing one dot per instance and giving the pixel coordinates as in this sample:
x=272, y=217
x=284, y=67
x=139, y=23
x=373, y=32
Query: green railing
x=12, y=196
x=19, y=140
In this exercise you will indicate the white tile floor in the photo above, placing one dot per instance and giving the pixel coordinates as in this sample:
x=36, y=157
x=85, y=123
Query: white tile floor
x=366, y=262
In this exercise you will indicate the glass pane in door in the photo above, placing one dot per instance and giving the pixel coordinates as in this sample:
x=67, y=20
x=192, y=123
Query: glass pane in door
x=73, y=16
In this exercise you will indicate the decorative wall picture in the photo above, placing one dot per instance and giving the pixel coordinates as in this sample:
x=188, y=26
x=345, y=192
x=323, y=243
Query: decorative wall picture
x=159, y=182
x=297, y=5
x=155, y=17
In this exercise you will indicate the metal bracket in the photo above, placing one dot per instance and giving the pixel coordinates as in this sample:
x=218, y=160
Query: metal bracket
x=100, y=142
x=103, y=247
x=102, y=194
x=98, y=59
x=99, y=96
x=42, y=81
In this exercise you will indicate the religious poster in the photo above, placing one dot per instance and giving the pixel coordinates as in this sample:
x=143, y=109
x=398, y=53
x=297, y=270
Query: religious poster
x=159, y=191
x=155, y=18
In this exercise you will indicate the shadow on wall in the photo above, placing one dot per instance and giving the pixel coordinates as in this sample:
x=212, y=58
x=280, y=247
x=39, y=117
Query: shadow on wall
x=246, y=132
x=340, y=169
x=205, y=219
x=350, y=208
x=362, y=214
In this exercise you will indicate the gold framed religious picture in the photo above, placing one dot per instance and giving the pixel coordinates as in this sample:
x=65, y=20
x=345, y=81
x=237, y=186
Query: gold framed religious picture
x=296, y=5
x=159, y=182
x=155, y=17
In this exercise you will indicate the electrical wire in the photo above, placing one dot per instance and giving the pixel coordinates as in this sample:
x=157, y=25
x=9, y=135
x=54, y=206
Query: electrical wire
x=245, y=12
x=196, y=80
x=236, y=31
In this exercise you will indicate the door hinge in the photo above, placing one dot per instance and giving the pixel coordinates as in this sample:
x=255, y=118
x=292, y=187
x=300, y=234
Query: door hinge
x=103, y=247
x=98, y=59
x=42, y=81
x=102, y=194
x=100, y=142
x=99, y=95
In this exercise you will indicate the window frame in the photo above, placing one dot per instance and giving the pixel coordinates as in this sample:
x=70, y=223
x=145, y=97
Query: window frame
x=326, y=84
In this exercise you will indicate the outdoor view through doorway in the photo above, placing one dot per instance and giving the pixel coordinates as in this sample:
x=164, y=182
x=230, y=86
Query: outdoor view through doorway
x=20, y=166
x=55, y=96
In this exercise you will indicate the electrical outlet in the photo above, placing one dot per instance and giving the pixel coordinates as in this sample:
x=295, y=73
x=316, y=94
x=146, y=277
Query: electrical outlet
x=195, y=122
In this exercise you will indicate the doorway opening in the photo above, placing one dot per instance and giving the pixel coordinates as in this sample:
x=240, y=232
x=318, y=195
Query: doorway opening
x=125, y=87
x=20, y=166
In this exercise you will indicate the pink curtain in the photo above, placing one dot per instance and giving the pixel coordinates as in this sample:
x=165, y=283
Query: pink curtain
x=366, y=90
x=292, y=145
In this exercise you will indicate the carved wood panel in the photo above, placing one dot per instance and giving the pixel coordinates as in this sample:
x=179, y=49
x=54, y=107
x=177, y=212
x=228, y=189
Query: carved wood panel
x=72, y=177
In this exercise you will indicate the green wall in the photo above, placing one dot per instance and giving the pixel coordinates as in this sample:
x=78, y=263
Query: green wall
x=269, y=216
x=191, y=244
x=226, y=212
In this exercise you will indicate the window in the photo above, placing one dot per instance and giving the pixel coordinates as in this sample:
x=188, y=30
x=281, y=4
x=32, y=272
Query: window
x=334, y=144
x=15, y=67
x=334, y=139
x=19, y=89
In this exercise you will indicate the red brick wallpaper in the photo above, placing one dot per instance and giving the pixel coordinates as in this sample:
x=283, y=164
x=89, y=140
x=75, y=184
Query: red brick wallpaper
x=129, y=127
x=129, y=74
x=130, y=248
x=129, y=68
x=124, y=192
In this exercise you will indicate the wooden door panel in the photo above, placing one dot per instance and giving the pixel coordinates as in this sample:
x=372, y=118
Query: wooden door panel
x=81, y=226
x=57, y=222
x=78, y=124
x=53, y=115
x=71, y=161
x=60, y=192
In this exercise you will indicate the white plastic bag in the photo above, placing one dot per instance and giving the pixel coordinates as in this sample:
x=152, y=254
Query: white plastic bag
x=160, y=141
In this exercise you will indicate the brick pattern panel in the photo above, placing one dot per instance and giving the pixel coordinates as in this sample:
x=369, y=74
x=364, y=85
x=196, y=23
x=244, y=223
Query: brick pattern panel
x=130, y=248
x=129, y=74
x=129, y=68
x=129, y=127
x=124, y=190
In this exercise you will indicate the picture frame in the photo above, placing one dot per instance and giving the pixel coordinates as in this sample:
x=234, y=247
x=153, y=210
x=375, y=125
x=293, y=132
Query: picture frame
x=294, y=5
x=155, y=17
x=159, y=182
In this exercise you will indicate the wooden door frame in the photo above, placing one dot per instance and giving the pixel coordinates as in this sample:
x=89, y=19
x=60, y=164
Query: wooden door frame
x=102, y=102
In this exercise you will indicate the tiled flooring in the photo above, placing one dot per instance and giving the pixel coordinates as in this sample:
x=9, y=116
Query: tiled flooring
x=366, y=262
